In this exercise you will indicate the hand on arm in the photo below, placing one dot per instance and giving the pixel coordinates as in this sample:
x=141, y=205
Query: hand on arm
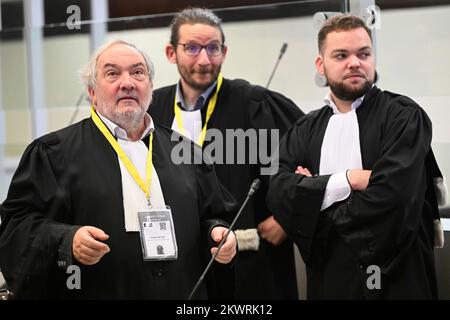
x=228, y=250
x=358, y=178
x=303, y=171
x=271, y=231
x=85, y=246
x=340, y=184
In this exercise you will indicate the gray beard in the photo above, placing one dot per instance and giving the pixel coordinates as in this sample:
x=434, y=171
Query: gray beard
x=130, y=121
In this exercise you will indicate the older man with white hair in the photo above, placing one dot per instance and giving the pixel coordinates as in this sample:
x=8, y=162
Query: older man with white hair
x=99, y=210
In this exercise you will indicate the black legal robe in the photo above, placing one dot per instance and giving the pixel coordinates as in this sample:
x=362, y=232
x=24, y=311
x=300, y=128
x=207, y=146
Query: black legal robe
x=270, y=272
x=72, y=178
x=389, y=225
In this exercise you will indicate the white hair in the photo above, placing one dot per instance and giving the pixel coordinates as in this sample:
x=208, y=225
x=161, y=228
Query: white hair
x=89, y=72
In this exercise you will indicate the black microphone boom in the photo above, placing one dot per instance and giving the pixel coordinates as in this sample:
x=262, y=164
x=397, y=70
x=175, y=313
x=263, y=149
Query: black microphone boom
x=253, y=188
x=282, y=52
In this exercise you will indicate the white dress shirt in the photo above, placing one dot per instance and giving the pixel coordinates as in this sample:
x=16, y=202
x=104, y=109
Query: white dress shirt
x=134, y=198
x=340, y=151
x=191, y=116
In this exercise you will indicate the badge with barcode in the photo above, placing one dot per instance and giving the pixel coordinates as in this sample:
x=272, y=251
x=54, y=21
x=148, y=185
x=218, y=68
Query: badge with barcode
x=158, y=234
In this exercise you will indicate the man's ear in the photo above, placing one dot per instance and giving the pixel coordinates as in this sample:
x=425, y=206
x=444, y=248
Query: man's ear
x=224, y=53
x=171, y=54
x=320, y=79
x=319, y=64
x=92, y=96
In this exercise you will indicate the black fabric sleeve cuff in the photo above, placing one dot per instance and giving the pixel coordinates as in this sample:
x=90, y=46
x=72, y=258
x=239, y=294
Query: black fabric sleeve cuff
x=65, y=257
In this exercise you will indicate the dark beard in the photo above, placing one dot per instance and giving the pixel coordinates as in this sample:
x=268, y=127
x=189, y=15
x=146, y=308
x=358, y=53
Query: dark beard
x=194, y=85
x=343, y=93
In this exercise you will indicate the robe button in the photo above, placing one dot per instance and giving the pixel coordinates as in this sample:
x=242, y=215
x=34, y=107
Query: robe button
x=160, y=273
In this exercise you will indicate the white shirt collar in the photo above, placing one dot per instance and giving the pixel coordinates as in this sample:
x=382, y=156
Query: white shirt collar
x=199, y=104
x=329, y=102
x=120, y=133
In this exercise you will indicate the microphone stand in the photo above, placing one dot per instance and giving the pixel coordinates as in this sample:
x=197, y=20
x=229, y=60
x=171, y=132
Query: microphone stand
x=253, y=188
x=282, y=51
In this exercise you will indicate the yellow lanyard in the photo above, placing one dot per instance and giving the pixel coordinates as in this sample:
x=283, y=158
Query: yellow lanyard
x=125, y=160
x=209, y=112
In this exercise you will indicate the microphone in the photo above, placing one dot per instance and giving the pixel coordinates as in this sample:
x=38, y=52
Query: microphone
x=282, y=52
x=253, y=188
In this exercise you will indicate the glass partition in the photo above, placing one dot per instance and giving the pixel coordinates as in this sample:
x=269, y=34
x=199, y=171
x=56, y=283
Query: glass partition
x=15, y=126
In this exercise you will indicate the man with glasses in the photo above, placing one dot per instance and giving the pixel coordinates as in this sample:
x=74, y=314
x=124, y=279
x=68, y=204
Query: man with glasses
x=203, y=100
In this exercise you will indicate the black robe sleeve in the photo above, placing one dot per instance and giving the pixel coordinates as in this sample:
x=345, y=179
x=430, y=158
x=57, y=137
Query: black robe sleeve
x=381, y=221
x=271, y=111
x=436, y=194
x=31, y=238
x=296, y=199
x=219, y=207
x=215, y=202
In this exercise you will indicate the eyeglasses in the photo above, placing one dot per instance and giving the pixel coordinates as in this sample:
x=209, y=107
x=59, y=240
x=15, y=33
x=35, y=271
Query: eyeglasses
x=193, y=49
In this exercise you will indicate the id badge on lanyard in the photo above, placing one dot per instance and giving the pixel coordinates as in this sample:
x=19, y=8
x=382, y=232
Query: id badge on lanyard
x=158, y=234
